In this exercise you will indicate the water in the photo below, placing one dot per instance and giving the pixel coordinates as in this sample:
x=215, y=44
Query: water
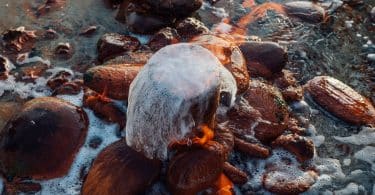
x=339, y=49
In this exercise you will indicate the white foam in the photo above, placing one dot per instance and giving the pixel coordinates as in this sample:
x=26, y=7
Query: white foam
x=175, y=80
x=71, y=183
x=25, y=58
x=365, y=137
x=217, y=11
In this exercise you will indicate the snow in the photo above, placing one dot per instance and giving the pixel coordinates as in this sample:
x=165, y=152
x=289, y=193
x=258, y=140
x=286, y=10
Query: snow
x=177, y=80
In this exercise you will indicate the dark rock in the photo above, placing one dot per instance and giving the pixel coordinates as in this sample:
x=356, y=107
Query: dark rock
x=51, y=34
x=19, y=40
x=59, y=79
x=119, y=169
x=146, y=23
x=175, y=8
x=235, y=175
x=190, y=28
x=306, y=10
x=111, y=45
x=41, y=141
x=263, y=58
x=50, y=6
x=300, y=146
x=89, y=31
x=95, y=142
x=64, y=51
x=164, y=37
x=4, y=68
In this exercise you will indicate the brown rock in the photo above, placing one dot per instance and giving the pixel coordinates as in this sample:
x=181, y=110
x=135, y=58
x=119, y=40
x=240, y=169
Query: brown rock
x=50, y=6
x=224, y=137
x=19, y=40
x=263, y=58
x=89, y=31
x=270, y=103
x=111, y=45
x=164, y=37
x=137, y=57
x=30, y=72
x=234, y=174
x=190, y=28
x=59, y=79
x=64, y=51
x=112, y=80
x=104, y=108
x=229, y=55
x=251, y=149
x=30, y=141
x=341, y=100
x=196, y=170
x=4, y=68
x=7, y=111
x=22, y=187
x=300, y=146
x=288, y=181
x=119, y=169
x=68, y=88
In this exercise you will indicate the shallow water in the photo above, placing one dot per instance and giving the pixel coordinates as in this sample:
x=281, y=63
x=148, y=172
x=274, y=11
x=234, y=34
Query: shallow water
x=337, y=49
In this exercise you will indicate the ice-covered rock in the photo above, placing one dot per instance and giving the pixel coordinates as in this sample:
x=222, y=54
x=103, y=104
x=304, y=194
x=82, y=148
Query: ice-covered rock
x=178, y=89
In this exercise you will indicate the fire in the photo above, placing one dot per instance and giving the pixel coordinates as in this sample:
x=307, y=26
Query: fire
x=208, y=134
x=224, y=185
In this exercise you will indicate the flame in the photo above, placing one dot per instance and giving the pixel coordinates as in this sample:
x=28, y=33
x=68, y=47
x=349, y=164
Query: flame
x=224, y=185
x=208, y=134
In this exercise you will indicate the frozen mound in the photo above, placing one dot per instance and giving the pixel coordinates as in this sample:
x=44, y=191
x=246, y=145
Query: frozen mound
x=178, y=89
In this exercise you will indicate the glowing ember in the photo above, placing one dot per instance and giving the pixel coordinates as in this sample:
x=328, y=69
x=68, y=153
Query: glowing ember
x=224, y=185
x=208, y=134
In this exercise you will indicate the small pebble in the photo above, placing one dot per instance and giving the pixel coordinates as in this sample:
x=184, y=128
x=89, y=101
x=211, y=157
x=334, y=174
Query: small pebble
x=95, y=142
x=371, y=57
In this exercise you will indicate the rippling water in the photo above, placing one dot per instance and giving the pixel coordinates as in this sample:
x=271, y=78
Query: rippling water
x=336, y=49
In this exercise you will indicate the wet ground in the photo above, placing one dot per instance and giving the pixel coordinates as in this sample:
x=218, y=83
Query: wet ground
x=339, y=48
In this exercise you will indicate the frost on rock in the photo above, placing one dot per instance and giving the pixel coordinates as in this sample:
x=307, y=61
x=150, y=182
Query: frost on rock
x=177, y=90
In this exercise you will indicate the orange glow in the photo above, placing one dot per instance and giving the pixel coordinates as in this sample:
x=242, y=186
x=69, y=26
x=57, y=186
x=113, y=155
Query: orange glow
x=99, y=97
x=208, y=134
x=224, y=185
x=248, y=3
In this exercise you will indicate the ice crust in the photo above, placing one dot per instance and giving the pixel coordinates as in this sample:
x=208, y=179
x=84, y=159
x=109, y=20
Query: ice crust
x=173, y=93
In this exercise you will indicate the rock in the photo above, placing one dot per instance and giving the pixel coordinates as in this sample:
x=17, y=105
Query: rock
x=59, y=79
x=104, y=108
x=290, y=90
x=5, y=67
x=196, y=170
x=172, y=95
x=89, y=31
x=7, y=111
x=50, y=6
x=258, y=60
x=235, y=175
x=64, y=51
x=95, y=142
x=229, y=55
x=190, y=28
x=164, y=37
x=112, y=80
x=305, y=10
x=372, y=14
x=175, y=8
x=111, y=45
x=251, y=149
x=50, y=34
x=288, y=181
x=270, y=103
x=19, y=40
x=142, y=23
x=30, y=72
x=119, y=169
x=30, y=141
x=139, y=57
x=69, y=88
x=224, y=137
x=20, y=187
x=341, y=100
x=301, y=147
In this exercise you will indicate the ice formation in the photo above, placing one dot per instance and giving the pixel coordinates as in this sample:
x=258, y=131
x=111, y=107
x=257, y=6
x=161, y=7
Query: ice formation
x=177, y=90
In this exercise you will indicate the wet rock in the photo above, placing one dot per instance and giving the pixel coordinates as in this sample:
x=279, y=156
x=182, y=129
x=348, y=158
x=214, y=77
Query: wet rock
x=50, y=6
x=22, y=187
x=229, y=55
x=64, y=51
x=19, y=40
x=287, y=181
x=305, y=10
x=270, y=103
x=300, y=146
x=89, y=31
x=162, y=97
x=104, y=108
x=111, y=45
x=4, y=68
x=119, y=169
x=30, y=72
x=137, y=57
x=69, y=88
x=190, y=28
x=251, y=149
x=287, y=83
x=175, y=8
x=235, y=175
x=224, y=137
x=7, y=111
x=258, y=60
x=164, y=37
x=95, y=142
x=145, y=23
x=372, y=14
x=59, y=79
x=112, y=80
x=51, y=34
x=196, y=170
x=30, y=141
x=341, y=100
